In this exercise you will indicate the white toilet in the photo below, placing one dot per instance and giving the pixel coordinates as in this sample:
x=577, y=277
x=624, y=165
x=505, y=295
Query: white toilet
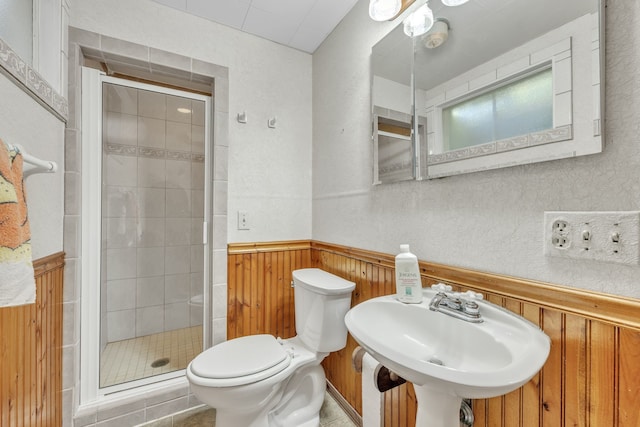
x=263, y=381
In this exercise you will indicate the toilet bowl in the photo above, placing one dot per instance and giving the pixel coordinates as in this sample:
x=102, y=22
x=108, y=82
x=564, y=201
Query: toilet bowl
x=264, y=381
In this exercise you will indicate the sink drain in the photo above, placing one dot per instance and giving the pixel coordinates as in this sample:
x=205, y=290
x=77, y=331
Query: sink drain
x=436, y=361
x=160, y=362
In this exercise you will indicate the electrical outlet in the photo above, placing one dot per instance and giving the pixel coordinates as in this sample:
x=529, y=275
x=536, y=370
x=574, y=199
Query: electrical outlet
x=243, y=220
x=595, y=236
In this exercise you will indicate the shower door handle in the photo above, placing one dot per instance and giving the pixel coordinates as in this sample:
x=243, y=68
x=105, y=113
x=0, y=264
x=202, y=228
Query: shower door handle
x=205, y=233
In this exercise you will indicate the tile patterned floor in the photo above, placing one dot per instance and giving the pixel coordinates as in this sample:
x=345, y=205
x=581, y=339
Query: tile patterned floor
x=132, y=359
x=331, y=415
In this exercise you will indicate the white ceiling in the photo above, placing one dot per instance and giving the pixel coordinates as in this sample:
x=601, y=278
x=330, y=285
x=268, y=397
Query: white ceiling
x=301, y=24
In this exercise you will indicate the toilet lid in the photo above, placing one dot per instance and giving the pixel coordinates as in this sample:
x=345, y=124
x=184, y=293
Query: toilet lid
x=258, y=356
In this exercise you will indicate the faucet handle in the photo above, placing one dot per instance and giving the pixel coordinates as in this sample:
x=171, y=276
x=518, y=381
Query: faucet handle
x=441, y=287
x=473, y=295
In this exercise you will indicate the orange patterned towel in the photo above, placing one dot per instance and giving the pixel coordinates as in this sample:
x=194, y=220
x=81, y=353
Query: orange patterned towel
x=17, y=283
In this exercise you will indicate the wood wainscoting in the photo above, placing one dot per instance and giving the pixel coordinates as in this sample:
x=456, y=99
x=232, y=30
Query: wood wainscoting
x=592, y=375
x=31, y=352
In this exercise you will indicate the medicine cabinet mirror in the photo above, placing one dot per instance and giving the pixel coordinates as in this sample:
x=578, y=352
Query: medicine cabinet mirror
x=392, y=108
x=495, y=84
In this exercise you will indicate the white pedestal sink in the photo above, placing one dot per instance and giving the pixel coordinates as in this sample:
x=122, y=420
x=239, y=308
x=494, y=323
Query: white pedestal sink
x=447, y=358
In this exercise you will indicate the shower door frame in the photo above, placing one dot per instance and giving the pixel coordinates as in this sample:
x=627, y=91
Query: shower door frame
x=92, y=110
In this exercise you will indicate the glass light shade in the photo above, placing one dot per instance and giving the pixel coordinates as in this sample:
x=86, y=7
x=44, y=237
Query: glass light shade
x=454, y=2
x=383, y=10
x=419, y=22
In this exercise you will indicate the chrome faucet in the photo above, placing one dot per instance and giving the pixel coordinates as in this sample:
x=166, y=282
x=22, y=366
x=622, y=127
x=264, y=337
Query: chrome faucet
x=459, y=305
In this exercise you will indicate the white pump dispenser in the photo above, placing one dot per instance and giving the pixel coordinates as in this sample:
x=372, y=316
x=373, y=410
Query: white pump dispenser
x=408, y=282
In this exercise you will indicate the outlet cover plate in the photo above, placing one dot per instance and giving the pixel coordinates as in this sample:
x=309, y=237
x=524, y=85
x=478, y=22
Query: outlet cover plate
x=596, y=236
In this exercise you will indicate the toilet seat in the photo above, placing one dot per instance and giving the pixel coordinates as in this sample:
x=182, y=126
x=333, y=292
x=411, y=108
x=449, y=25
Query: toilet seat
x=241, y=361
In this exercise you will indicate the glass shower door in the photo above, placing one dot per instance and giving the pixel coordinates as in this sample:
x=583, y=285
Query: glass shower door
x=153, y=210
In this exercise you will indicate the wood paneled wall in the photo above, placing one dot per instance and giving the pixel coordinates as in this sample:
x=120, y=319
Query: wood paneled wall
x=31, y=353
x=259, y=295
x=592, y=376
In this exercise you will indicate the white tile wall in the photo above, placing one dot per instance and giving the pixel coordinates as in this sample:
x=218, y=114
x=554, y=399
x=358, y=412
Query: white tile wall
x=151, y=232
x=197, y=139
x=121, y=294
x=178, y=203
x=195, y=280
x=150, y=262
x=152, y=104
x=178, y=136
x=177, y=288
x=121, y=99
x=121, y=232
x=197, y=111
x=154, y=253
x=121, y=201
x=120, y=325
x=176, y=102
x=120, y=128
x=197, y=258
x=177, y=231
x=177, y=259
x=151, y=172
x=151, y=132
x=176, y=315
x=150, y=291
x=149, y=320
x=178, y=174
x=196, y=230
x=122, y=263
x=151, y=202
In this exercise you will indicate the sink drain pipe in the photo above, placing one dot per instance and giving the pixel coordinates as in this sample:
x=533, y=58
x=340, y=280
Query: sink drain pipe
x=466, y=413
x=385, y=379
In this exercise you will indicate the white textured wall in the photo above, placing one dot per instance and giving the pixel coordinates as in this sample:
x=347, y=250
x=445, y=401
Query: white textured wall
x=25, y=122
x=490, y=221
x=269, y=169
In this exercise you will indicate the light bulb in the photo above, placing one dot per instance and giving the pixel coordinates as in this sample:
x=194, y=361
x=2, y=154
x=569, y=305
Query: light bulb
x=419, y=22
x=383, y=10
x=454, y=2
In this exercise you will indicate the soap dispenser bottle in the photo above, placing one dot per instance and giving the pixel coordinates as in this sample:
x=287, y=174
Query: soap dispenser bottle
x=408, y=282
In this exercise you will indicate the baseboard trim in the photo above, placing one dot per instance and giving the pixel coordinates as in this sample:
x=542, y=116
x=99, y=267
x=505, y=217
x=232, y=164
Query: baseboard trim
x=342, y=402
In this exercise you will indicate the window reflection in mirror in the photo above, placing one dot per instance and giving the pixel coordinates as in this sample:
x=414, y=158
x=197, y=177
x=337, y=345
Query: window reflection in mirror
x=513, y=83
x=522, y=106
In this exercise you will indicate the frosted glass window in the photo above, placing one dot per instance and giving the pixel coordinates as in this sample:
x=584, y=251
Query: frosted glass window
x=518, y=108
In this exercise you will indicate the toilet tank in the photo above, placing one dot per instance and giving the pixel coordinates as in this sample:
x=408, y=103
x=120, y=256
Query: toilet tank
x=321, y=300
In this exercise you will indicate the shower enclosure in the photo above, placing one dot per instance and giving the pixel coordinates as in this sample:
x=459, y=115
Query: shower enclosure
x=151, y=172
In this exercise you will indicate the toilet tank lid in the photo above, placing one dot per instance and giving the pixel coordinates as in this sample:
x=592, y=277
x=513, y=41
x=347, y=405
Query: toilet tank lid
x=322, y=282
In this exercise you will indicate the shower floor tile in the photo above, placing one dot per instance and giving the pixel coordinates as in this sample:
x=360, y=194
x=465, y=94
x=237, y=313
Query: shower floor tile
x=132, y=359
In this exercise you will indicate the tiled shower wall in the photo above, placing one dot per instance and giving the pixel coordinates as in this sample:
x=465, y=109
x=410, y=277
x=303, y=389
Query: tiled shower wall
x=153, y=210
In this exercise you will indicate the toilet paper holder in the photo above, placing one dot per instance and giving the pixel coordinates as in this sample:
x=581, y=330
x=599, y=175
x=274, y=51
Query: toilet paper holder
x=385, y=379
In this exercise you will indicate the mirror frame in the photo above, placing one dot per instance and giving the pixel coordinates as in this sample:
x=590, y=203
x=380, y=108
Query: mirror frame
x=541, y=146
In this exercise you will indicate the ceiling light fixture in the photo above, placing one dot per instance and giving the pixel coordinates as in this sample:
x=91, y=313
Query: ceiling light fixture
x=453, y=2
x=383, y=10
x=437, y=35
x=419, y=22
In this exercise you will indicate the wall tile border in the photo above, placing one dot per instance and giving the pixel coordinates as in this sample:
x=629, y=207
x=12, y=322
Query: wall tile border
x=27, y=79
